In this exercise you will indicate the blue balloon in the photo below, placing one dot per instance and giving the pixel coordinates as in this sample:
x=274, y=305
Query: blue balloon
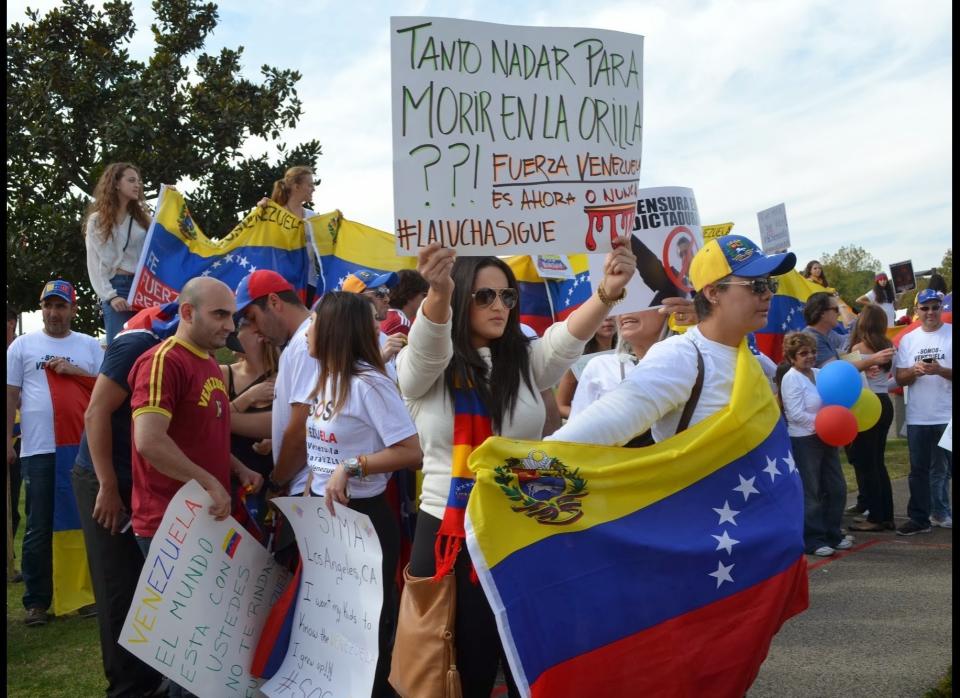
x=839, y=383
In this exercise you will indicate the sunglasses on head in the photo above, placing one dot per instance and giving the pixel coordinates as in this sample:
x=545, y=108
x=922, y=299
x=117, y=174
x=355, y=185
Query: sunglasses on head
x=485, y=297
x=929, y=308
x=758, y=286
x=381, y=292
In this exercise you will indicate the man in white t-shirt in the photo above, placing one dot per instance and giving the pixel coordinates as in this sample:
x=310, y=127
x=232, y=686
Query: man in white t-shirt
x=924, y=362
x=55, y=346
x=378, y=288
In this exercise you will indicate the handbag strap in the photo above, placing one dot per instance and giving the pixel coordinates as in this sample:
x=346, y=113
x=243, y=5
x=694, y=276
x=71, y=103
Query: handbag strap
x=694, y=395
x=129, y=228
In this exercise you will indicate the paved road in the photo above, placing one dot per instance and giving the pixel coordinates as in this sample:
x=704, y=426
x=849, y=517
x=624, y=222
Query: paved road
x=879, y=623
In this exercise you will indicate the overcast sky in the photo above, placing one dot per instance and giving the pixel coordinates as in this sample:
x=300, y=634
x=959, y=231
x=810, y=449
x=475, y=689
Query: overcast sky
x=840, y=110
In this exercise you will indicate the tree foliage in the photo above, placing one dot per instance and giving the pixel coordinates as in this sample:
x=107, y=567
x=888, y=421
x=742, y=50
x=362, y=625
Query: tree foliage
x=851, y=271
x=77, y=101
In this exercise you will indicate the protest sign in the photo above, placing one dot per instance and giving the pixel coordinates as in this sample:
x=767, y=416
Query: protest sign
x=333, y=643
x=513, y=140
x=553, y=266
x=716, y=231
x=774, y=233
x=946, y=441
x=903, y=277
x=202, y=599
x=666, y=236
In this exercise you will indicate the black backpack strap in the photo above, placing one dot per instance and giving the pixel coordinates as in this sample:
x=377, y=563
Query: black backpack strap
x=694, y=394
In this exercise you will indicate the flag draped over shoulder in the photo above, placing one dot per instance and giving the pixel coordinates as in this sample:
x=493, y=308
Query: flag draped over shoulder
x=176, y=250
x=786, y=312
x=343, y=246
x=72, y=588
x=662, y=571
x=545, y=301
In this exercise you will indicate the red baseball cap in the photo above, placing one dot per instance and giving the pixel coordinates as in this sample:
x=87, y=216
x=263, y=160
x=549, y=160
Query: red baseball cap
x=258, y=284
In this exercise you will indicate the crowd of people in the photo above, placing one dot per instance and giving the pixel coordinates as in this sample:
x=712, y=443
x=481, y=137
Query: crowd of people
x=389, y=363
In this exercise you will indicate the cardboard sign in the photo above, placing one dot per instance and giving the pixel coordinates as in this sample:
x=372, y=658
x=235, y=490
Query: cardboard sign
x=901, y=273
x=513, y=140
x=202, y=599
x=334, y=641
x=774, y=233
x=666, y=236
x=716, y=231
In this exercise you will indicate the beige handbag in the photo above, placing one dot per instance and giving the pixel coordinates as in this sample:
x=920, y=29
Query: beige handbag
x=424, y=663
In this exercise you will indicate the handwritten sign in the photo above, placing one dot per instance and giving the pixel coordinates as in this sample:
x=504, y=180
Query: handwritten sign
x=202, y=599
x=774, y=233
x=510, y=139
x=666, y=236
x=333, y=644
x=716, y=231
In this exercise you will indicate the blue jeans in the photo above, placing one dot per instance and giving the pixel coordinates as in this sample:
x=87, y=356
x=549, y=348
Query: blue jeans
x=38, y=473
x=113, y=320
x=824, y=491
x=929, y=469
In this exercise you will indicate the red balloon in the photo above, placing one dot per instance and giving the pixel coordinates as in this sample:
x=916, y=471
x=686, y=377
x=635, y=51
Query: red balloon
x=836, y=425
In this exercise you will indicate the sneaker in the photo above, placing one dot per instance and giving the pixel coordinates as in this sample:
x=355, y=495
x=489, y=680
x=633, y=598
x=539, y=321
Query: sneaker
x=855, y=509
x=912, y=528
x=946, y=522
x=845, y=544
x=823, y=551
x=36, y=616
x=88, y=611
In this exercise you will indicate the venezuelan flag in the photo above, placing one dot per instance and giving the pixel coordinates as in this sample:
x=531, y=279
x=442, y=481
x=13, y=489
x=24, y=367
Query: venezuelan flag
x=786, y=312
x=632, y=572
x=343, y=246
x=545, y=301
x=72, y=588
x=176, y=250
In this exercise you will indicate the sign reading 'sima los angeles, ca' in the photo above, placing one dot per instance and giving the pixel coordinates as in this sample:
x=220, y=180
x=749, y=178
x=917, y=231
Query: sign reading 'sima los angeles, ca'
x=512, y=139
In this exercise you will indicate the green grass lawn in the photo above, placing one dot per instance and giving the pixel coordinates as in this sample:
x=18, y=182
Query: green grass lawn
x=62, y=658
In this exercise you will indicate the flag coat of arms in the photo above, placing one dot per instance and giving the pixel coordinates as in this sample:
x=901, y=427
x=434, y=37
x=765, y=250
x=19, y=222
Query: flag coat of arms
x=72, y=587
x=176, y=250
x=655, y=571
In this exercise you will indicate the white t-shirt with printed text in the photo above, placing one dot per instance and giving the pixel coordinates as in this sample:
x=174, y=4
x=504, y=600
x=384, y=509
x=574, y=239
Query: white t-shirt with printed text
x=27, y=359
x=374, y=417
x=930, y=398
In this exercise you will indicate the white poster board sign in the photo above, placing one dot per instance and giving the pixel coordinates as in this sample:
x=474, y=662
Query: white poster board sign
x=946, y=441
x=666, y=236
x=334, y=641
x=774, y=233
x=513, y=140
x=202, y=599
x=553, y=266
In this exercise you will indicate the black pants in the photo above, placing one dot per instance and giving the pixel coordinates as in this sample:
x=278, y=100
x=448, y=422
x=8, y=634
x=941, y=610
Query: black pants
x=869, y=451
x=115, y=563
x=15, y=489
x=478, y=646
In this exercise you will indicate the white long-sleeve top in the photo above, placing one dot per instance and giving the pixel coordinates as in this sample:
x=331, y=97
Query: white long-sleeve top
x=653, y=394
x=420, y=369
x=801, y=402
x=105, y=259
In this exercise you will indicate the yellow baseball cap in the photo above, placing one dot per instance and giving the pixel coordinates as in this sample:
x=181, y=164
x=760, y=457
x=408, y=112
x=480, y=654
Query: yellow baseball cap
x=735, y=254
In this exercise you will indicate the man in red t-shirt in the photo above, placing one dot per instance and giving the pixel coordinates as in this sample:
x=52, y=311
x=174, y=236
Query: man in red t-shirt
x=181, y=412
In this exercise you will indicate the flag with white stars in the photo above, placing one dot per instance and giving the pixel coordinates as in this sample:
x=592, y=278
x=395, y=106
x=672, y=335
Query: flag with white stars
x=176, y=250
x=545, y=301
x=786, y=312
x=617, y=571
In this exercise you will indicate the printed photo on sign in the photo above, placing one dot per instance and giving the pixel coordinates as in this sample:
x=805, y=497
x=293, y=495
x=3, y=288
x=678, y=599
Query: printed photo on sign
x=202, y=599
x=333, y=642
x=511, y=139
x=666, y=236
x=903, y=277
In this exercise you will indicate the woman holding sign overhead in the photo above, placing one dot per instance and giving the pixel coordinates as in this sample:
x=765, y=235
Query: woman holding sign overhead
x=115, y=228
x=358, y=433
x=468, y=372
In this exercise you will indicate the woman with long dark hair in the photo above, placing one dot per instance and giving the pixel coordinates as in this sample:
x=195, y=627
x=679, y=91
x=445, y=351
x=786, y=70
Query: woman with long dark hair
x=881, y=294
x=814, y=272
x=115, y=228
x=358, y=432
x=469, y=364
x=869, y=448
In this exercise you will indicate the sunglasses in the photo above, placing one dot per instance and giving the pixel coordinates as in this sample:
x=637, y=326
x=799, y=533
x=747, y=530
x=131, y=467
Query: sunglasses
x=485, y=297
x=758, y=286
x=381, y=293
x=929, y=308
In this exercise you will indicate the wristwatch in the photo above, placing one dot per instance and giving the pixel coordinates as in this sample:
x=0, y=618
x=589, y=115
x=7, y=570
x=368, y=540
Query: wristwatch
x=354, y=467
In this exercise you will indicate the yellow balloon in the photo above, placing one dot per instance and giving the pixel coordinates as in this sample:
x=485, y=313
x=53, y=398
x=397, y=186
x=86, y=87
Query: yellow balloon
x=866, y=409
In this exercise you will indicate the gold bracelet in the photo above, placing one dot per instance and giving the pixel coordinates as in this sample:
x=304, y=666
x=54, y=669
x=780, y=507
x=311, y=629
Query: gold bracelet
x=363, y=466
x=607, y=300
